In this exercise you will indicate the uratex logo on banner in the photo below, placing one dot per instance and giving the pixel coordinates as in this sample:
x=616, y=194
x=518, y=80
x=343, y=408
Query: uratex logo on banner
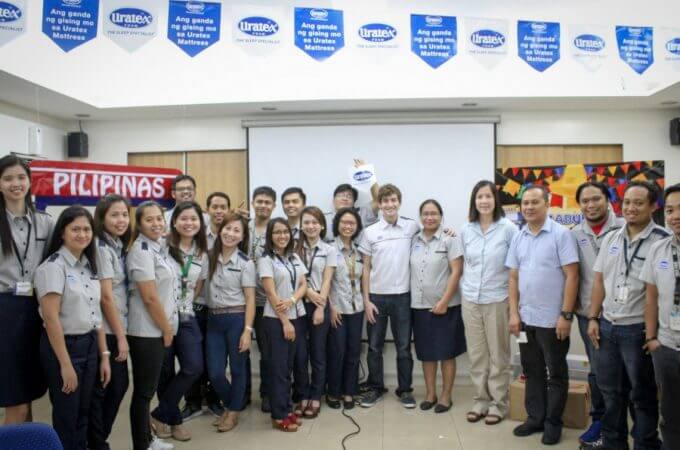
x=538, y=43
x=434, y=38
x=12, y=20
x=589, y=46
x=70, y=23
x=377, y=33
x=488, y=40
x=636, y=47
x=668, y=45
x=319, y=32
x=194, y=26
x=257, y=29
x=130, y=23
x=258, y=26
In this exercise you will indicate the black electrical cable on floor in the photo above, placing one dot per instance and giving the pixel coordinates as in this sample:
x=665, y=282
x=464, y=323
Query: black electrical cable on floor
x=353, y=433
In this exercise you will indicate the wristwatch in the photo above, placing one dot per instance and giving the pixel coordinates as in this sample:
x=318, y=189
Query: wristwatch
x=567, y=315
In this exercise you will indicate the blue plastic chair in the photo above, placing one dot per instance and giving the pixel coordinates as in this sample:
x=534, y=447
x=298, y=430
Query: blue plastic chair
x=29, y=436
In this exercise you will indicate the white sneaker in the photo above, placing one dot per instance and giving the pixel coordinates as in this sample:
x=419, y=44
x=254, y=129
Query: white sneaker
x=158, y=444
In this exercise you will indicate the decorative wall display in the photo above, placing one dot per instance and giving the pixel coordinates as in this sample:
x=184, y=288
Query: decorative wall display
x=70, y=23
x=194, y=26
x=60, y=183
x=376, y=35
x=588, y=45
x=12, y=20
x=538, y=43
x=669, y=40
x=562, y=181
x=434, y=38
x=257, y=29
x=130, y=23
x=319, y=32
x=487, y=40
x=636, y=47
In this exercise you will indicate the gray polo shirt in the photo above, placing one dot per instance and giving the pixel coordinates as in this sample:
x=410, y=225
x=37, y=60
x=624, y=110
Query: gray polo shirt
x=287, y=273
x=366, y=213
x=389, y=247
x=540, y=259
x=255, y=251
x=345, y=293
x=430, y=269
x=229, y=279
x=111, y=266
x=197, y=271
x=316, y=260
x=611, y=262
x=588, y=247
x=80, y=311
x=148, y=260
x=659, y=270
x=31, y=233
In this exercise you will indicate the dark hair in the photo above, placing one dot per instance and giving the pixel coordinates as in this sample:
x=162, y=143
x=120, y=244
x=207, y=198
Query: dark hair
x=473, y=214
x=319, y=216
x=338, y=215
x=346, y=188
x=217, y=247
x=652, y=192
x=218, y=194
x=388, y=189
x=595, y=184
x=182, y=177
x=100, y=211
x=671, y=190
x=268, y=241
x=432, y=202
x=6, y=162
x=66, y=217
x=544, y=190
x=266, y=191
x=173, y=237
x=294, y=190
x=139, y=213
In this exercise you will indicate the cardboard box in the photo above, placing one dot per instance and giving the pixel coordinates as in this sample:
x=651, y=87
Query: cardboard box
x=576, y=413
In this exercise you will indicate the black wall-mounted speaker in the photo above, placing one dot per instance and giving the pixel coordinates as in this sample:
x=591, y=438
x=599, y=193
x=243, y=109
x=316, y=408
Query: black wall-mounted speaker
x=77, y=145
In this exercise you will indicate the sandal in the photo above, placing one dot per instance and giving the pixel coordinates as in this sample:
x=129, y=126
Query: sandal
x=294, y=419
x=284, y=425
x=311, y=411
x=299, y=410
x=474, y=417
x=493, y=419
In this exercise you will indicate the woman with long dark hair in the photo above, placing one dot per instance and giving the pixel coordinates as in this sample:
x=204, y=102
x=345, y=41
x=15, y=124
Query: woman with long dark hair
x=24, y=233
x=112, y=232
x=486, y=240
x=231, y=299
x=320, y=260
x=152, y=317
x=346, y=311
x=283, y=278
x=69, y=294
x=188, y=249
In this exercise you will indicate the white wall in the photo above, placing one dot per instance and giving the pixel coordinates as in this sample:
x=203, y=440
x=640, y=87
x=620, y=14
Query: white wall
x=14, y=126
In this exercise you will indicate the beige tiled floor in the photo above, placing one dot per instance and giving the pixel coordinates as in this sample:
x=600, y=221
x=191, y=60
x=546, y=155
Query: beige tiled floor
x=385, y=426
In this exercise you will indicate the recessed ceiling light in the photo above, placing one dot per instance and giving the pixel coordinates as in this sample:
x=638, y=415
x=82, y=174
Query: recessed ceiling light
x=83, y=116
x=669, y=103
x=269, y=108
x=469, y=105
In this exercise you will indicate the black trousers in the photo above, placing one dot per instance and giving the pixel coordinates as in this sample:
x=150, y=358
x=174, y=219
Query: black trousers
x=201, y=389
x=147, y=354
x=263, y=347
x=70, y=412
x=667, y=372
x=544, y=362
x=106, y=401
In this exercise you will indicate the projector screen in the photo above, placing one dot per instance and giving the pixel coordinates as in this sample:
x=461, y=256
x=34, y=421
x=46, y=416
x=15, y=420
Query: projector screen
x=440, y=161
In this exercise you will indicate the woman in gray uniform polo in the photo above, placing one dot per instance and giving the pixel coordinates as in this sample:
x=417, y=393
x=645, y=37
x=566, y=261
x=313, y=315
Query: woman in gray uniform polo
x=24, y=233
x=68, y=289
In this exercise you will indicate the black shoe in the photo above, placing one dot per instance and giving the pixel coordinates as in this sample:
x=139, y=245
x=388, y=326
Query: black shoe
x=442, y=408
x=265, y=407
x=595, y=445
x=191, y=412
x=551, y=437
x=407, y=400
x=333, y=403
x=369, y=399
x=526, y=429
x=426, y=405
x=348, y=404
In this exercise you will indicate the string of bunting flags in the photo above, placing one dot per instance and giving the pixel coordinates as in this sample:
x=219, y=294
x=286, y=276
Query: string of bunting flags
x=194, y=26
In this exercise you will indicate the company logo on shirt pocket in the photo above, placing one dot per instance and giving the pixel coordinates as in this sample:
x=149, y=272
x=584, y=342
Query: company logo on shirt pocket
x=663, y=264
x=583, y=242
x=614, y=250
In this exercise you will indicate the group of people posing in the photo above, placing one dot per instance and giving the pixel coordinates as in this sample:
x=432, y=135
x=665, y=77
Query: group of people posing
x=182, y=292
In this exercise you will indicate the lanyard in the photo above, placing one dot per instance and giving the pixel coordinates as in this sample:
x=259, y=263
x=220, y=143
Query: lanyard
x=625, y=254
x=310, y=263
x=351, y=262
x=185, y=274
x=255, y=244
x=593, y=242
x=676, y=271
x=20, y=258
x=291, y=271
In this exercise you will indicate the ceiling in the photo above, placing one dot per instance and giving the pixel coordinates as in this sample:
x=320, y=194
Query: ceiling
x=40, y=101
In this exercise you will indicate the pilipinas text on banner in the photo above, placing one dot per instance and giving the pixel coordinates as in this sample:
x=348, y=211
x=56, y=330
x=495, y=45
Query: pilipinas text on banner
x=434, y=38
x=194, y=26
x=538, y=43
x=12, y=20
x=319, y=32
x=669, y=41
x=58, y=183
x=487, y=40
x=636, y=46
x=588, y=45
x=130, y=23
x=257, y=29
x=70, y=23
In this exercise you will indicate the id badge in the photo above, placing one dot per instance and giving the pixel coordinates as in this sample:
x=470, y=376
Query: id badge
x=675, y=319
x=522, y=339
x=622, y=295
x=24, y=289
